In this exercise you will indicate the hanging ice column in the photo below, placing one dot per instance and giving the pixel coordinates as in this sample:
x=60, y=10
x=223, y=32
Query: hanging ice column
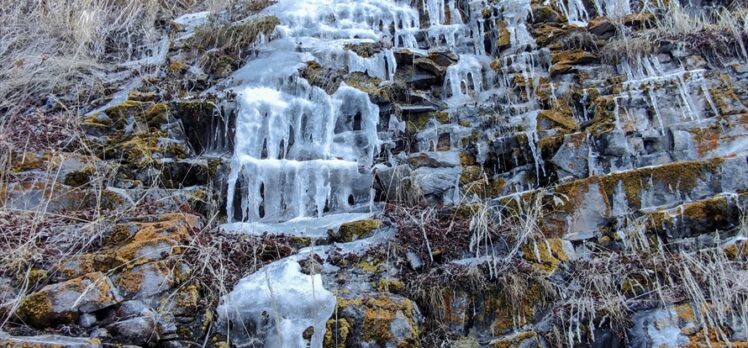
x=298, y=155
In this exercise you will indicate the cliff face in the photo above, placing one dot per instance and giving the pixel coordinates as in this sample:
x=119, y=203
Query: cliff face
x=460, y=173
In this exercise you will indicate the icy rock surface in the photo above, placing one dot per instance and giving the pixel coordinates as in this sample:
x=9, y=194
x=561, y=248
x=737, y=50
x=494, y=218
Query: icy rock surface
x=302, y=159
x=301, y=153
x=283, y=302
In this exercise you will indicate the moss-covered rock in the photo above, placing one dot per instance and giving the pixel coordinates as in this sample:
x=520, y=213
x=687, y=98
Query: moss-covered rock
x=63, y=302
x=351, y=231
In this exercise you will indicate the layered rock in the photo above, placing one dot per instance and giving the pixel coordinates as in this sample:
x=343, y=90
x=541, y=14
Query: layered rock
x=543, y=174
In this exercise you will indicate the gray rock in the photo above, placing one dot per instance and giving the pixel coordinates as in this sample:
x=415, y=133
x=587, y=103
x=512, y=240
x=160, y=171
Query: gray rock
x=133, y=308
x=614, y=144
x=391, y=180
x=138, y=331
x=87, y=320
x=572, y=157
x=68, y=300
x=154, y=278
x=434, y=159
x=437, y=183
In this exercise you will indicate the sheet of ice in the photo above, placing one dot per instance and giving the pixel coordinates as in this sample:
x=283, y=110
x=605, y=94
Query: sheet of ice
x=302, y=226
x=190, y=22
x=290, y=300
x=119, y=97
x=155, y=54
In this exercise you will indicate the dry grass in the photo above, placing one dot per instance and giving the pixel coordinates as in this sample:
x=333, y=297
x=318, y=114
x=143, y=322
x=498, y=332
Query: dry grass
x=628, y=49
x=58, y=52
x=65, y=47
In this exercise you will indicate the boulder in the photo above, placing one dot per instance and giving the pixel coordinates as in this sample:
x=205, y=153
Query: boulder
x=64, y=302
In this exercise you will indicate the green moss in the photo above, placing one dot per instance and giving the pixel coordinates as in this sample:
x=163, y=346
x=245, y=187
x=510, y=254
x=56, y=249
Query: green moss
x=418, y=122
x=681, y=175
x=176, y=150
x=378, y=316
x=36, y=310
x=24, y=161
x=545, y=255
x=121, y=112
x=473, y=180
x=364, y=50
x=371, y=267
x=354, y=230
x=390, y=285
x=522, y=339
x=213, y=165
x=301, y=242
x=138, y=150
x=337, y=333
x=157, y=114
x=35, y=276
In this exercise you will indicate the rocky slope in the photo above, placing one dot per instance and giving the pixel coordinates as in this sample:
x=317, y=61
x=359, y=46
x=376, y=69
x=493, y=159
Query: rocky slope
x=468, y=173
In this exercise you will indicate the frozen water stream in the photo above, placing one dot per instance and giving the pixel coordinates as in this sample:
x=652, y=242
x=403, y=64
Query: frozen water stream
x=302, y=159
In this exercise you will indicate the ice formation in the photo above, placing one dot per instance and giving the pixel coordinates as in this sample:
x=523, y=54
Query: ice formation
x=301, y=153
x=283, y=302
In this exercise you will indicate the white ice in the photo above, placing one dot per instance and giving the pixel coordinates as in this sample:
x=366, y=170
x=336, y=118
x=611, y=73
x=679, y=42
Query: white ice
x=281, y=301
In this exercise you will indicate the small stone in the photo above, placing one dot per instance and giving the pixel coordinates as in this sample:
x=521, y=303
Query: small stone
x=87, y=320
x=414, y=260
x=132, y=308
x=308, y=333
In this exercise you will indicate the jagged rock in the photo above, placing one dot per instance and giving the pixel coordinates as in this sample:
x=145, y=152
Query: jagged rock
x=204, y=123
x=47, y=341
x=59, y=197
x=145, y=280
x=87, y=320
x=393, y=182
x=639, y=20
x=184, y=173
x=567, y=61
x=379, y=320
x=185, y=303
x=520, y=339
x=573, y=156
x=64, y=302
x=439, y=184
x=602, y=27
x=544, y=14
x=436, y=63
x=132, y=308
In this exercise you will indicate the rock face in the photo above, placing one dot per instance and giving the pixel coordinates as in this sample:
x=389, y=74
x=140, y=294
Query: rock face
x=462, y=173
